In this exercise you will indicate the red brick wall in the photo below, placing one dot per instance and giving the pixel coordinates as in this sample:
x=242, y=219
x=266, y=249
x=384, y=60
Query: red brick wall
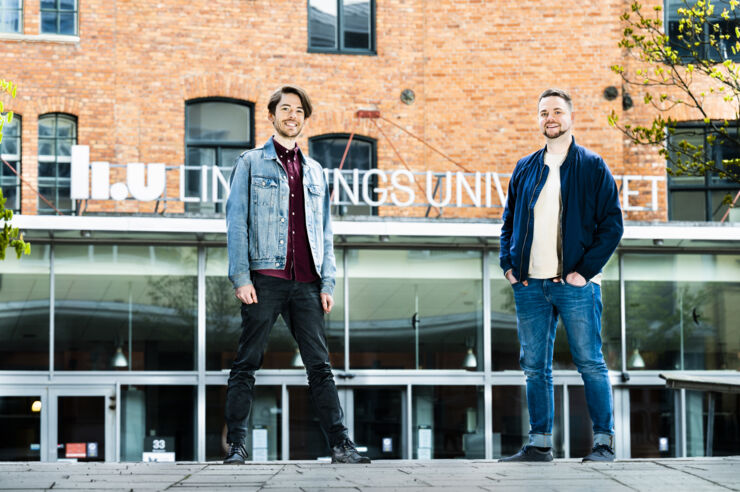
x=476, y=68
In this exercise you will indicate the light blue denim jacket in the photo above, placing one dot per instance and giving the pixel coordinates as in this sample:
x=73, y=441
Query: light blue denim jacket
x=257, y=217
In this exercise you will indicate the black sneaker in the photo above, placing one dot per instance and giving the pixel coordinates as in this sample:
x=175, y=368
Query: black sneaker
x=600, y=452
x=346, y=452
x=237, y=454
x=529, y=453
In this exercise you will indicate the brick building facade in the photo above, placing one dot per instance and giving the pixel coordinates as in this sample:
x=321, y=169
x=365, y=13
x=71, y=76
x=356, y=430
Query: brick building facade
x=475, y=67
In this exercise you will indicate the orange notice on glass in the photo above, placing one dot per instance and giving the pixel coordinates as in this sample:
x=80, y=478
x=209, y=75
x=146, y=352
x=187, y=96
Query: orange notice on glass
x=75, y=450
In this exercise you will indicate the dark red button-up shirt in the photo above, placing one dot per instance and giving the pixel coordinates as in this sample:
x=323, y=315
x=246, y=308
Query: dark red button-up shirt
x=298, y=260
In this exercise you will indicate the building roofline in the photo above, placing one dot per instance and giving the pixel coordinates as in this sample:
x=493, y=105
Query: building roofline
x=381, y=226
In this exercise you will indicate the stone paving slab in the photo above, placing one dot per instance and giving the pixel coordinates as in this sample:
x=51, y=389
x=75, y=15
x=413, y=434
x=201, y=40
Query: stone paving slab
x=695, y=475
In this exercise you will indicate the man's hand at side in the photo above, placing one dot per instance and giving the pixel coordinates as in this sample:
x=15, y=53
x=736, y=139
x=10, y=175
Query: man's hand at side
x=327, y=302
x=575, y=279
x=512, y=279
x=246, y=294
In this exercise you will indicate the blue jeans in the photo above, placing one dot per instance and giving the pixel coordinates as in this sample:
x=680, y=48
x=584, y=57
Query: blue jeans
x=538, y=306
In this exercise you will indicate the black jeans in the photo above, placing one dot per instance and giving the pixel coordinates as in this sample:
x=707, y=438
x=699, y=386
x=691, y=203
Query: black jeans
x=300, y=305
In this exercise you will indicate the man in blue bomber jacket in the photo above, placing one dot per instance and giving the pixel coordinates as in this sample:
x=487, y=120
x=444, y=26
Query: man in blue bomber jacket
x=281, y=262
x=562, y=222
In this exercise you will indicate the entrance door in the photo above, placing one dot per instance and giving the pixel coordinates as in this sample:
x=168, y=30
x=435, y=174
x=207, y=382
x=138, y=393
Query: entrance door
x=82, y=424
x=376, y=417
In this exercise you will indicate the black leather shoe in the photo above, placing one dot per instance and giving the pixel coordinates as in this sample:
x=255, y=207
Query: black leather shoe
x=529, y=453
x=237, y=454
x=600, y=452
x=346, y=452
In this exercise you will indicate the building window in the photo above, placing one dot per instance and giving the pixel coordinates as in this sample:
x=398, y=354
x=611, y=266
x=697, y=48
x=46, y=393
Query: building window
x=328, y=150
x=716, y=39
x=341, y=26
x=57, y=135
x=11, y=16
x=700, y=198
x=59, y=17
x=217, y=131
x=10, y=183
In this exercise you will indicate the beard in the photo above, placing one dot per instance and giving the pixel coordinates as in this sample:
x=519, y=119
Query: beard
x=560, y=133
x=286, y=132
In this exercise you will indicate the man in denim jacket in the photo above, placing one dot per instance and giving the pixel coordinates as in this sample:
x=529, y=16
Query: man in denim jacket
x=281, y=262
x=562, y=222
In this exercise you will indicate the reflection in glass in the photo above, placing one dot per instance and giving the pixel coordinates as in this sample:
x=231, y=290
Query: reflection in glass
x=511, y=421
x=263, y=427
x=223, y=321
x=307, y=441
x=361, y=156
x=448, y=422
x=726, y=424
x=414, y=308
x=24, y=310
x=20, y=421
x=10, y=151
x=356, y=24
x=80, y=424
x=505, y=341
x=322, y=23
x=216, y=133
x=682, y=311
x=161, y=411
x=141, y=299
x=652, y=423
x=581, y=429
x=378, y=419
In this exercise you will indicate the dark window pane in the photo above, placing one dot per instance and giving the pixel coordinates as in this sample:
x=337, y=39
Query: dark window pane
x=322, y=19
x=652, y=423
x=688, y=205
x=718, y=207
x=378, y=422
x=48, y=4
x=20, y=420
x=65, y=127
x=218, y=121
x=67, y=23
x=356, y=24
x=81, y=419
x=64, y=203
x=67, y=4
x=263, y=421
x=46, y=147
x=160, y=411
x=63, y=169
x=49, y=22
x=64, y=148
x=47, y=169
x=448, y=422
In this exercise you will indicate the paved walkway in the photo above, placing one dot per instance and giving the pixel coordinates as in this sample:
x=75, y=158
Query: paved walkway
x=673, y=475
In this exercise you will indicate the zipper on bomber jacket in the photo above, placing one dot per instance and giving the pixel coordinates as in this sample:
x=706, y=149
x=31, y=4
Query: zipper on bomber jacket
x=526, y=234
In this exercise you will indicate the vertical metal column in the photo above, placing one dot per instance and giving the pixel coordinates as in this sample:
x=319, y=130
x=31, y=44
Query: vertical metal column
x=201, y=356
x=622, y=438
x=410, y=420
x=487, y=362
x=566, y=422
x=51, y=311
x=345, y=263
x=622, y=312
x=285, y=424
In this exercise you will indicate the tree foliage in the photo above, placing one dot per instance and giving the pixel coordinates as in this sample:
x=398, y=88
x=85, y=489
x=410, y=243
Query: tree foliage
x=692, y=70
x=10, y=236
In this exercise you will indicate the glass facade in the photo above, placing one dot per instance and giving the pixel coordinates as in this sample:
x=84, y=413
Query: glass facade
x=138, y=301
x=681, y=311
x=414, y=309
x=408, y=343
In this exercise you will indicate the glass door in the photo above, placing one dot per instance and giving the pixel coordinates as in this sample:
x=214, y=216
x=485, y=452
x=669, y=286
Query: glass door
x=82, y=424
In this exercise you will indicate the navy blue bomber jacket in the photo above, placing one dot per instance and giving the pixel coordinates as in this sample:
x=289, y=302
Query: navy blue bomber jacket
x=591, y=220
